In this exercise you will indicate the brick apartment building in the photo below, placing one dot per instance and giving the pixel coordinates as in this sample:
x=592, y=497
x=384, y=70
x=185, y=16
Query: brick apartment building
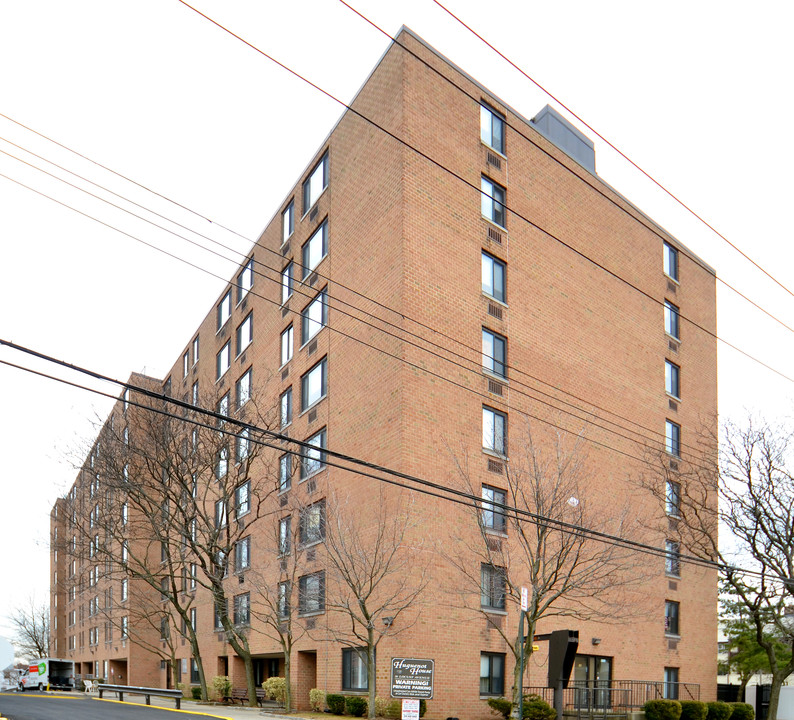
x=423, y=305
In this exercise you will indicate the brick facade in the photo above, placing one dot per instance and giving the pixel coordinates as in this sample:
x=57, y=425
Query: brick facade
x=405, y=389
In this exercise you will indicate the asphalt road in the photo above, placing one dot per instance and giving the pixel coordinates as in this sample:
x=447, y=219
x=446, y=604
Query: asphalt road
x=42, y=706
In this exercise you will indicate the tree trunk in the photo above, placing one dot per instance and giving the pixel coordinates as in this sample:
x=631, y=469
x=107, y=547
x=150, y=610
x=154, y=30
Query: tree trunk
x=287, y=678
x=774, y=696
x=249, y=679
x=371, y=672
x=196, y=655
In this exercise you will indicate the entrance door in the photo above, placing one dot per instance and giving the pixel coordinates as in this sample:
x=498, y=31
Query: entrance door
x=592, y=676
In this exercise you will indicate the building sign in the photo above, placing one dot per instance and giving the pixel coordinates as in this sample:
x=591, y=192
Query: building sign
x=411, y=678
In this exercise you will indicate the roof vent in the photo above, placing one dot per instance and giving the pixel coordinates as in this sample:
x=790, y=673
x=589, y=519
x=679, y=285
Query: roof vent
x=554, y=127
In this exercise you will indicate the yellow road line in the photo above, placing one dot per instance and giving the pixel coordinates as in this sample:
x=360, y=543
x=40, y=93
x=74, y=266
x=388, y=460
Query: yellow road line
x=51, y=697
x=159, y=707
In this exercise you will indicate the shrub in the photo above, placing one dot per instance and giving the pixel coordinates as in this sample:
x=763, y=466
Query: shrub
x=501, y=705
x=356, y=705
x=276, y=689
x=394, y=709
x=317, y=699
x=719, y=710
x=422, y=707
x=742, y=711
x=222, y=686
x=662, y=710
x=183, y=688
x=694, y=710
x=335, y=703
x=536, y=708
x=196, y=692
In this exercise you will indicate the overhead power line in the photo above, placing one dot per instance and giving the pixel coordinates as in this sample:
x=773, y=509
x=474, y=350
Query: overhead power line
x=418, y=484
x=615, y=148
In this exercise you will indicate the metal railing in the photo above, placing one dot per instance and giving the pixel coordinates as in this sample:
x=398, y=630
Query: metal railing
x=614, y=698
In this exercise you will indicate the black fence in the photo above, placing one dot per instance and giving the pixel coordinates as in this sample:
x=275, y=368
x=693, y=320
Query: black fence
x=614, y=698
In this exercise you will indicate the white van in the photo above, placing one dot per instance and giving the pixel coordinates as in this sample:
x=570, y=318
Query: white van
x=48, y=673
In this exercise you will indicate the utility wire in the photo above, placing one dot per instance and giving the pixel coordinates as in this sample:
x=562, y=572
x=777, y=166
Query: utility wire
x=616, y=149
x=459, y=496
x=652, y=227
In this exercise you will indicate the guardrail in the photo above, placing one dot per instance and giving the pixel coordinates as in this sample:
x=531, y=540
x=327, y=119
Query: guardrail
x=146, y=692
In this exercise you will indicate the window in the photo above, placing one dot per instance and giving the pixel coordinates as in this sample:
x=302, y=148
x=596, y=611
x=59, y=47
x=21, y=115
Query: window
x=671, y=683
x=284, y=536
x=245, y=333
x=312, y=523
x=354, y=669
x=493, y=586
x=224, y=309
x=493, y=277
x=671, y=320
x=194, y=394
x=288, y=222
x=163, y=589
x=494, y=353
x=124, y=586
x=315, y=249
x=193, y=576
x=672, y=379
x=126, y=403
x=494, y=431
x=185, y=363
x=193, y=619
x=220, y=611
x=313, y=385
x=242, y=609
x=314, y=317
x=243, y=388
x=286, y=345
x=124, y=626
x=492, y=129
x=124, y=552
x=672, y=438
x=223, y=408
x=245, y=280
x=242, y=499
x=315, y=184
x=285, y=472
x=283, y=599
x=195, y=349
x=286, y=283
x=493, y=518
x=671, y=615
x=672, y=498
x=222, y=465
x=671, y=262
x=242, y=554
x=223, y=360
x=243, y=445
x=286, y=407
x=220, y=514
x=313, y=457
x=194, y=673
x=493, y=201
x=311, y=593
x=672, y=558
x=492, y=673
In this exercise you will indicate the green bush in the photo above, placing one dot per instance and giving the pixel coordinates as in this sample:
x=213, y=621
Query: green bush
x=694, y=710
x=394, y=709
x=335, y=703
x=317, y=699
x=356, y=705
x=222, y=685
x=742, y=711
x=196, y=692
x=719, y=710
x=422, y=707
x=662, y=710
x=501, y=705
x=536, y=708
x=276, y=689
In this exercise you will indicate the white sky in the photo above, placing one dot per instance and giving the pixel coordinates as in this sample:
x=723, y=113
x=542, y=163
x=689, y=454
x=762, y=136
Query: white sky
x=698, y=94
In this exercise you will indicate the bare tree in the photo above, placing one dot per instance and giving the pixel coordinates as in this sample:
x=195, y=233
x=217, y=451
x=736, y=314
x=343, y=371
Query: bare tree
x=376, y=573
x=532, y=531
x=31, y=625
x=276, y=604
x=746, y=489
x=180, y=500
